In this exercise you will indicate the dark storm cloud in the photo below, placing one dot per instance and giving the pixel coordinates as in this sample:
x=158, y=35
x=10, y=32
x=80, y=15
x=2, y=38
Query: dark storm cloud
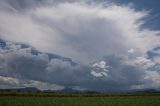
x=19, y=63
x=22, y=64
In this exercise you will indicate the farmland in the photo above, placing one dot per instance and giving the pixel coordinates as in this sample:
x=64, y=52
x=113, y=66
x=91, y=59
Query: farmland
x=79, y=100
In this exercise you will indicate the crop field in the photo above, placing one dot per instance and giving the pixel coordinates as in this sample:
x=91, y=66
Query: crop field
x=80, y=101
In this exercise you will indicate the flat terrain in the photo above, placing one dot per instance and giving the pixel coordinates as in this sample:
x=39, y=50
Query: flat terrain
x=80, y=101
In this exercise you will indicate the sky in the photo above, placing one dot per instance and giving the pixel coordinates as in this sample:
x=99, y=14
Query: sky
x=97, y=45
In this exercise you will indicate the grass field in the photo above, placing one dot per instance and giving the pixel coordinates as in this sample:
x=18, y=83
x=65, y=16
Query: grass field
x=80, y=101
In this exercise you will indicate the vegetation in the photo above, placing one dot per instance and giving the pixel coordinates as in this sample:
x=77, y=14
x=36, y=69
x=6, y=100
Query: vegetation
x=89, y=94
x=12, y=98
x=80, y=101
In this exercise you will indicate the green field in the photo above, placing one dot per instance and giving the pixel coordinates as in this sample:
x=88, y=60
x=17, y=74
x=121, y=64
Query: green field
x=80, y=101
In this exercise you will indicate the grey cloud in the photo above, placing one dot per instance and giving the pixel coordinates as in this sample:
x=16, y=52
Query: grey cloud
x=21, y=64
x=22, y=5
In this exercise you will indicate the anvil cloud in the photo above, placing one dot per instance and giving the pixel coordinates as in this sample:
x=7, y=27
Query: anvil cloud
x=90, y=33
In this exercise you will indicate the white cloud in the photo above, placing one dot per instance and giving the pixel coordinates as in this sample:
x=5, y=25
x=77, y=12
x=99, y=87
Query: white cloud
x=79, y=88
x=144, y=62
x=153, y=79
x=10, y=82
x=82, y=31
x=100, y=69
x=131, y=51
x=157, y=59
x=99, y=74
x=101, y=64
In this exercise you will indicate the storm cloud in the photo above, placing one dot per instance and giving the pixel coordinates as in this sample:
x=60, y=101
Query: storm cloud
x=106, y=41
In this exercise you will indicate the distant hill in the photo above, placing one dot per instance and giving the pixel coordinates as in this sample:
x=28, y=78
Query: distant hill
x=26, y=89
x=147, y=91
x=33, y=89
x=70, y=90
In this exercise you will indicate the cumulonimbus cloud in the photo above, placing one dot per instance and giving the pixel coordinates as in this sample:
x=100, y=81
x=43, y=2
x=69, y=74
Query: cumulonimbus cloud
x=88, y=33
x=85, y=32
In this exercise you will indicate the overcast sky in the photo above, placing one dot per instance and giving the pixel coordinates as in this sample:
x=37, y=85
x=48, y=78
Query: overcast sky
x=100, y=45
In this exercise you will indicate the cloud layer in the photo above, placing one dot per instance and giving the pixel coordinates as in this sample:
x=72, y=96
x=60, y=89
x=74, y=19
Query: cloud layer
x=106, y=40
